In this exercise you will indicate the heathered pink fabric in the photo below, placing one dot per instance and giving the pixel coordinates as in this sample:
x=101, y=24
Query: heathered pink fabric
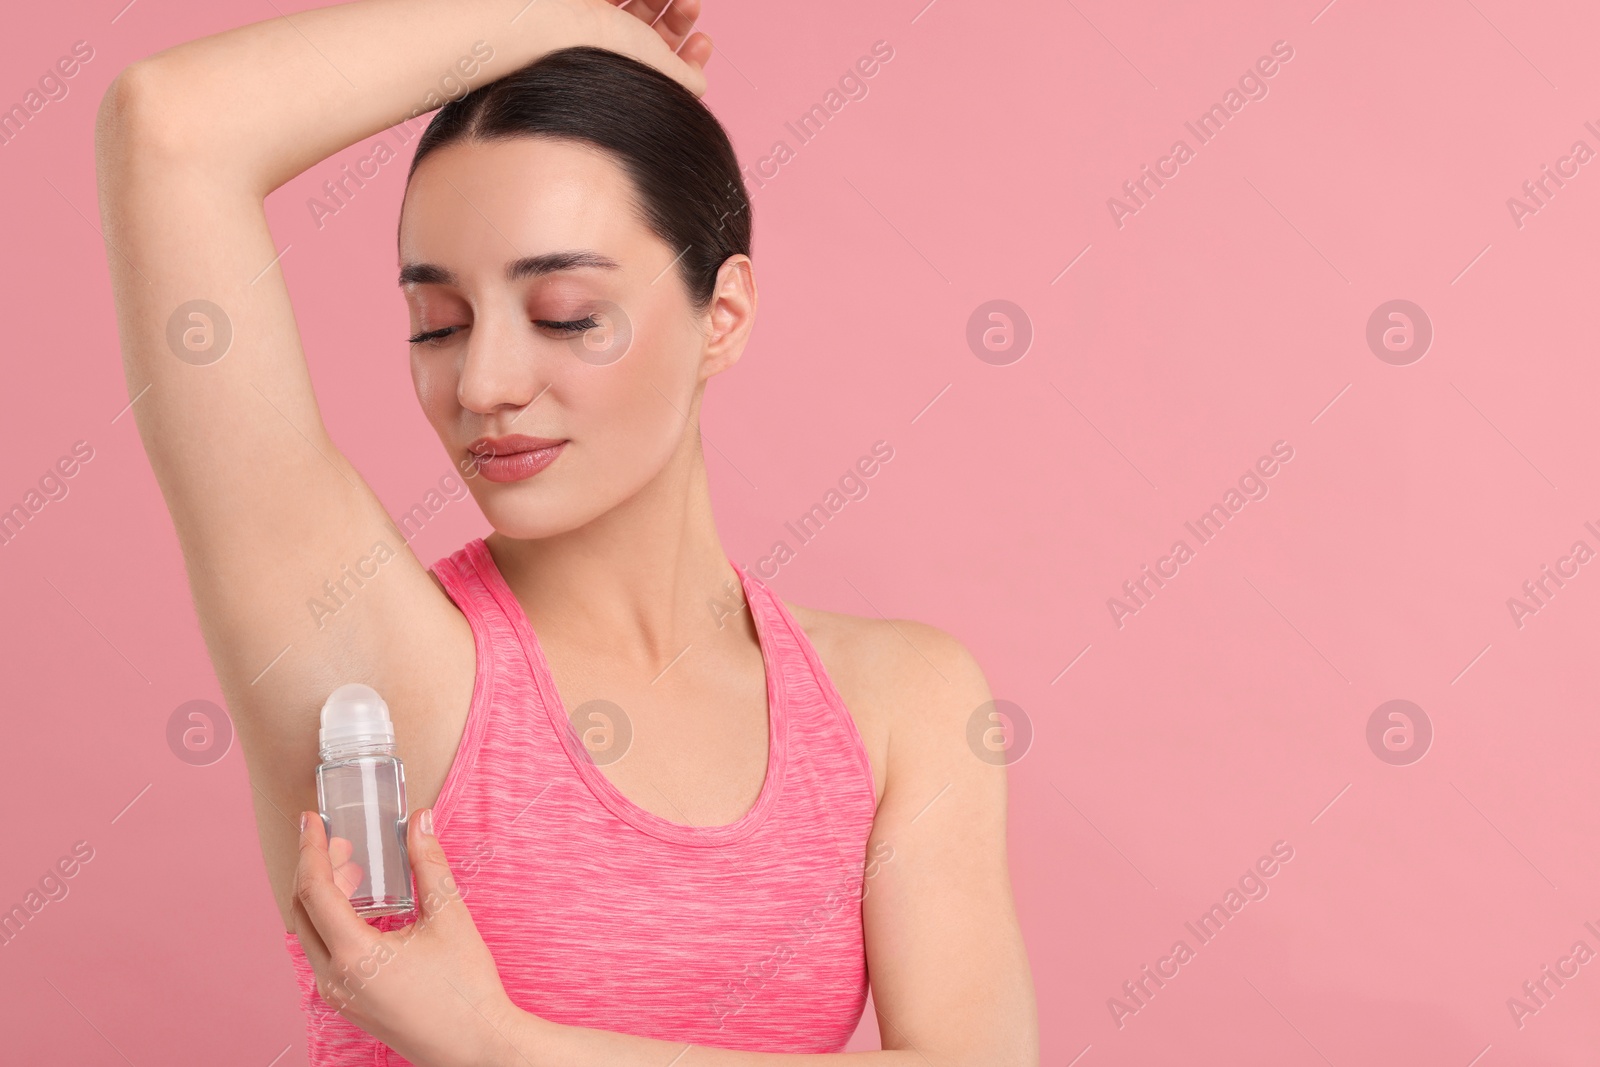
x=602, y=914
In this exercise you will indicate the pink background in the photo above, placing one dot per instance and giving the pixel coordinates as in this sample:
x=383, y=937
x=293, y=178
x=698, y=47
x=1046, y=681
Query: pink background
x=1227, y=314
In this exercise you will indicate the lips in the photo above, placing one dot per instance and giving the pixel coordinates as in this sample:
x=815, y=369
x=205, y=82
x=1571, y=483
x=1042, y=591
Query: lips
x=515, y=456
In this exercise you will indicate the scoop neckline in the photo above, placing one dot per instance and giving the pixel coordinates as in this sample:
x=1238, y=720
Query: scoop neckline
x=602, y=787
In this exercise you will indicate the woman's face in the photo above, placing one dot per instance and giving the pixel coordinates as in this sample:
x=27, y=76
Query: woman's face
x=547, y=310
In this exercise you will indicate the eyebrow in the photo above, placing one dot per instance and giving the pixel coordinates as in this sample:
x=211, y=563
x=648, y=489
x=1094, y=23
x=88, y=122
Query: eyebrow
x=516, y=270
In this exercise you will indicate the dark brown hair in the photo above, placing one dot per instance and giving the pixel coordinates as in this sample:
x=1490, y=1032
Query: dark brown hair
x=690, y=192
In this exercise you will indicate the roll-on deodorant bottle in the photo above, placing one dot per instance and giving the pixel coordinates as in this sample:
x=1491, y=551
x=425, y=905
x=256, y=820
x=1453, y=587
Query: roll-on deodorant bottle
x=361, y=793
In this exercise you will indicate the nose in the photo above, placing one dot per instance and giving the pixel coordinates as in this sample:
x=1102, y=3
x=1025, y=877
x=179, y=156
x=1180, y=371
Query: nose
x=504, y=365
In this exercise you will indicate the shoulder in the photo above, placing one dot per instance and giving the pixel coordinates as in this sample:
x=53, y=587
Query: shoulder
x=898, y=678
x=880, y=658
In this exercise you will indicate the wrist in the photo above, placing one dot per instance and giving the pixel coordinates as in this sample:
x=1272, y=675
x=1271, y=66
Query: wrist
x=544, y=26
x=517, y=1038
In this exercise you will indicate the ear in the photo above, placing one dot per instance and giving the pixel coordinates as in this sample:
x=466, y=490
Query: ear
x=731, y=316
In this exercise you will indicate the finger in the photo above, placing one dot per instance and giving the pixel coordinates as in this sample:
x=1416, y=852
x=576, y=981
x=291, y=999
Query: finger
x=634, y=37
x=340, y=850
x=677, y=21
x=325, y=905
x=689, y=72
x=436, y=886
x=646, y=11
x=348, y=876
x=333, y=984
x=697, y=50
x=672, y=19
x=311, y=943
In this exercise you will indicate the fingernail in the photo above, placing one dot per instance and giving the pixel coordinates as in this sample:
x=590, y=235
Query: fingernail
x=425, y=820
x=302, y=822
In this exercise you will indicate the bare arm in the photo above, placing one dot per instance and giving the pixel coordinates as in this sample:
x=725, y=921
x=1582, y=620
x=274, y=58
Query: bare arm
x=950, y=977
x=259, y=104
x=188, y=144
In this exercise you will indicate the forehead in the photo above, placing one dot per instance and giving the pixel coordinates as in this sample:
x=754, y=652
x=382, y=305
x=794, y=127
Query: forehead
x=499, y=199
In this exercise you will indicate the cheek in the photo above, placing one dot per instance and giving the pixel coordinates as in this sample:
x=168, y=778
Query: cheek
x=638, y=405
x=635, y=401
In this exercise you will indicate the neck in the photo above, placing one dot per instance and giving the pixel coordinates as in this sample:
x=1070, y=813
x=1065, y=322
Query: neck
x=642, y=581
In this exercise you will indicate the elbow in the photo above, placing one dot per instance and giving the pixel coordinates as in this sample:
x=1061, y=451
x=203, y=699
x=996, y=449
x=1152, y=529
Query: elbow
x=139, y=118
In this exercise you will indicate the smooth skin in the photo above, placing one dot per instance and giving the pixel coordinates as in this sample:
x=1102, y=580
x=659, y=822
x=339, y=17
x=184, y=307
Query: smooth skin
x=612, y=551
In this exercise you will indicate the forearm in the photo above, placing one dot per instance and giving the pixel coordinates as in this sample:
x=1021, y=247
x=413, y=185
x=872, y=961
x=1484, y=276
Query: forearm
x=266, y=101
x=534, y=1042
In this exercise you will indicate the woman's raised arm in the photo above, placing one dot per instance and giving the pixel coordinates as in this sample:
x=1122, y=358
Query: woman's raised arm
x=260, y=104
x=188, y=144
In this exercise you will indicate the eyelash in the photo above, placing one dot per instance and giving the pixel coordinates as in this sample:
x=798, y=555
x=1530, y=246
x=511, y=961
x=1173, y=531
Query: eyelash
x=573, y=326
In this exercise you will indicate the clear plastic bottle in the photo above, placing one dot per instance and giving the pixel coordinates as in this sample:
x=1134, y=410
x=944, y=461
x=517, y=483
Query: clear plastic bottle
x=361, y=794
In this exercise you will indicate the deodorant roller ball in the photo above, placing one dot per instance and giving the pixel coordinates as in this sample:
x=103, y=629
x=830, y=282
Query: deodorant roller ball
x=361, y=794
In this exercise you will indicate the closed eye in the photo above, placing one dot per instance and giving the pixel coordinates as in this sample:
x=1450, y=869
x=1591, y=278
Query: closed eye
x=431, y=335
x=573, y=326
x=586, y=323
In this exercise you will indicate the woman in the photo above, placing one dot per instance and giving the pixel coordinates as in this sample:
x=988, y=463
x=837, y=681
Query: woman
x=798, y=807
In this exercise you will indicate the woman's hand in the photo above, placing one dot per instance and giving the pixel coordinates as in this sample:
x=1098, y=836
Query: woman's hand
x=668, y=42
x=429, y=990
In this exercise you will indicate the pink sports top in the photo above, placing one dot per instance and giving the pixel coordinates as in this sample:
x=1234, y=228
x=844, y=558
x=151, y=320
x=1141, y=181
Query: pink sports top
x=602, y=914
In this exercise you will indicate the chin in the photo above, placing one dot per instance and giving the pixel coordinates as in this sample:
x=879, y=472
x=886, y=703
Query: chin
x=521, y=515
x=527, y=524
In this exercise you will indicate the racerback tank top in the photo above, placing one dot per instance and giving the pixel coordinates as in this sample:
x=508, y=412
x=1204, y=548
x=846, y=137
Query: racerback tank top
x=601, y=914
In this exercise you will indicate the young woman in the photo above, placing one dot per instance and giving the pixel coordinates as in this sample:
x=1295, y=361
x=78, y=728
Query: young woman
x=798, y=807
